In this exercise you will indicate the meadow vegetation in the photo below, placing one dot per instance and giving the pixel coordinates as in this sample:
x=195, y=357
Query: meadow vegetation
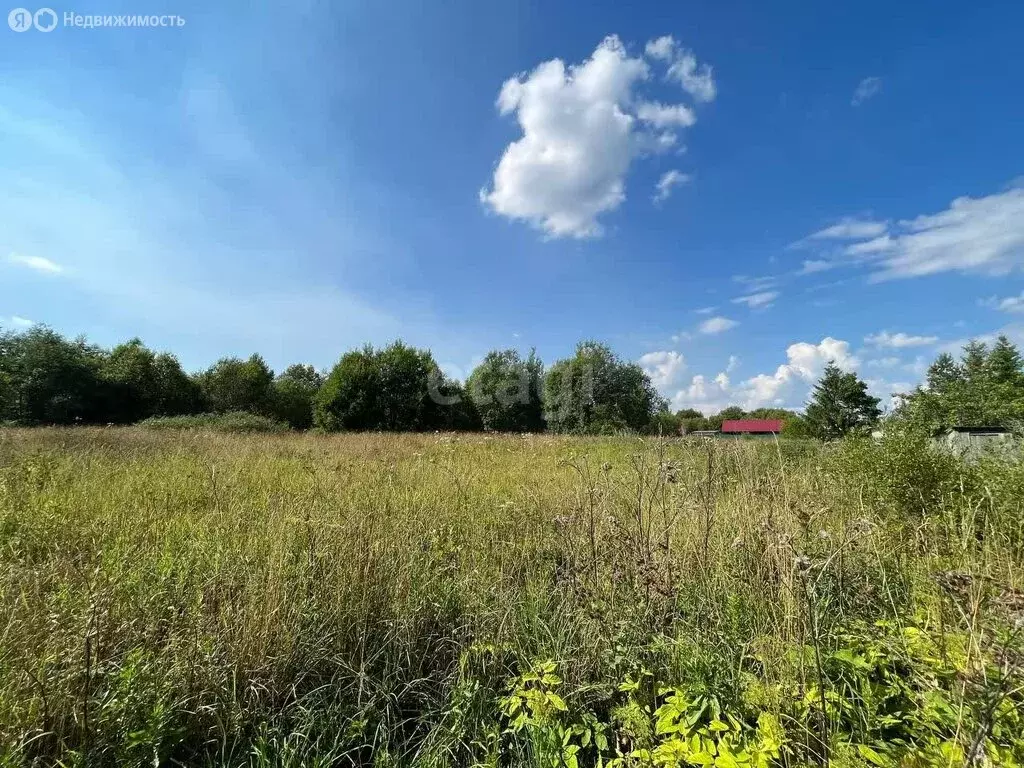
x=188, y=597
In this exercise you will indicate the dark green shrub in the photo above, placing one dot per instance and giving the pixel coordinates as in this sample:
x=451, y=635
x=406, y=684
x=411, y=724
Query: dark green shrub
x=234, y=421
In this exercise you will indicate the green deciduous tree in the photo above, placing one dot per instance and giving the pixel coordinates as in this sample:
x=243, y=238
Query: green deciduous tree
x=131, y=381
x=178, y=394
x=233, y=384
x=294, y=392
x=985, y=388
x=507, y=392
x=666, y=423
x=594, y=391
x=51, y=380
x=398, y=388
x=731, y=413
x=840, y=404
x=6, y=396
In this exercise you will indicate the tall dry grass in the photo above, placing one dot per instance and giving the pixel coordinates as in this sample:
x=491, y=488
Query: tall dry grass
x=204, y=599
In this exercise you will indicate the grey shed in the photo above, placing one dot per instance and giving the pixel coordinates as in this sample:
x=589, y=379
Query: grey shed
x=974, y=440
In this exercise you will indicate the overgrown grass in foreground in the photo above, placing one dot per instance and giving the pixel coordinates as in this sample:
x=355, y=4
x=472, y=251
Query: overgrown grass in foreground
x=194, y=598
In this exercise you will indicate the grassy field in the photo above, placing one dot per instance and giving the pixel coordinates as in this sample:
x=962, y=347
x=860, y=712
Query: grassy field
x=192, y=598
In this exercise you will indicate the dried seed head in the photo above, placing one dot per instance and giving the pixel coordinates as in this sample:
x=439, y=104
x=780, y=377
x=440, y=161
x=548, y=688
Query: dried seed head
x=954, y=581
x=863, y=525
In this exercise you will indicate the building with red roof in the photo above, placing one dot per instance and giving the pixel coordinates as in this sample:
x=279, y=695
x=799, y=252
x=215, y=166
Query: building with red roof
x=752, y=427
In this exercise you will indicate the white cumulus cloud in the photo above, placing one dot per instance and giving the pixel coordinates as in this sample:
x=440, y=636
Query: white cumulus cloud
x=696, y=79
x=665, y=115
x=707, y=395
x=582, y=127
x=20, y=322
x=664, y=367
x=787, y=387
x=662, y=49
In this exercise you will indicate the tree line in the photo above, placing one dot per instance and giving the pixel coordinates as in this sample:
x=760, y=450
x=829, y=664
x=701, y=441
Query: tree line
x=46, y=378
x=985, y=387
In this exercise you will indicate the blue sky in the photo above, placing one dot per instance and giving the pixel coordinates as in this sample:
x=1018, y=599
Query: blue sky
x=729, y=193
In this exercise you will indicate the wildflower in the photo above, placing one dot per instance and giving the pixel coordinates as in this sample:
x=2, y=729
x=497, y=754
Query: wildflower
x=824, y=535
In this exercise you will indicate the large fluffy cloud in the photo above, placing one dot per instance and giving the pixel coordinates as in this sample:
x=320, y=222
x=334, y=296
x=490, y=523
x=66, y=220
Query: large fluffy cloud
x=664, y=368
x=582, y=127
x=788, y=386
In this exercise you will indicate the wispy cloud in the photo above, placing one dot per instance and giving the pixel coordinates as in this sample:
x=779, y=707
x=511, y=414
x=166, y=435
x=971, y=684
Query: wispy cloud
x=18, y=322
x=122, y=234
x=847, y=228
x=974, y=234
x=1013, y=304
x=900, y=340
x=717, y=324
x=756, y=283
x=762, y=299
x=812, y=266
x=668, y=181
x=37, y=263
x=866, y=88
x=850, y=229
x=883, y=362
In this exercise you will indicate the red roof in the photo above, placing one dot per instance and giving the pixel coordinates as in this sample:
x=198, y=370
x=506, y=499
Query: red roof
x=752, y=425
